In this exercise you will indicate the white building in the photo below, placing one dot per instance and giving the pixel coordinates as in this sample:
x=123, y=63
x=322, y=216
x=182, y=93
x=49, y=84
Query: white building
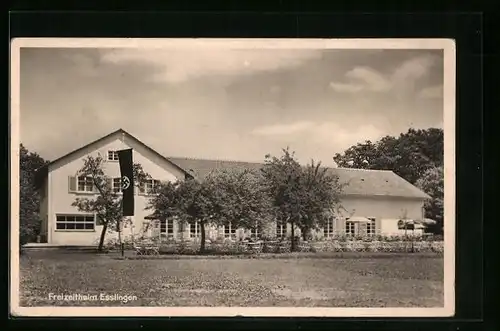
x=381, y=196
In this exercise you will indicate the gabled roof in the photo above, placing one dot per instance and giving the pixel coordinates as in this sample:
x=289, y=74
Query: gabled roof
x=41, y=173
x=359, y=181
x=376, y=182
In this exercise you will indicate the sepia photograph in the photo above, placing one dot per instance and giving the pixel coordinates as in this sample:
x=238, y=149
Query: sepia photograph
x=223, y=177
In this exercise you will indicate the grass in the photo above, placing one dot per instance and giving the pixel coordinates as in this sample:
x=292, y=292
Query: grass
x=285, y=256
x=410, y=280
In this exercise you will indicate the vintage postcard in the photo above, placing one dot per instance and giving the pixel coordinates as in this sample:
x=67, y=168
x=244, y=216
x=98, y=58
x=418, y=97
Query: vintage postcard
x=225, y=177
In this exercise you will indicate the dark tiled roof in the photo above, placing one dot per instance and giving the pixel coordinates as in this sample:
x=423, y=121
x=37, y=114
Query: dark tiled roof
x=376, y=182
x=359, y=181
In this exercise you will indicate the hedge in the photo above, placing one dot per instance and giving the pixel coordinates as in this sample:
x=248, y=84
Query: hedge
x=237, y=247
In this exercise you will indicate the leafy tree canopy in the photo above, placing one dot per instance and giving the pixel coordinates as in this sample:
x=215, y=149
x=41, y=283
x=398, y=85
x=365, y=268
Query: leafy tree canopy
x=303, y=196
x=432, y=182
x=409, y=155
x=29, y=198
x=107, y=204
x=416, y=156
x=239, y=198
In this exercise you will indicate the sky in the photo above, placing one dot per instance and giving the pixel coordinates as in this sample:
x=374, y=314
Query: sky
x=229, y=104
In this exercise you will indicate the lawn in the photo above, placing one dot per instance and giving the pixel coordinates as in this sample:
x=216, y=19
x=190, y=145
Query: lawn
x=396, y=281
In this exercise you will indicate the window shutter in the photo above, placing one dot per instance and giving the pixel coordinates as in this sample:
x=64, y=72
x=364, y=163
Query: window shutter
x=72, y=184
x=109, y=182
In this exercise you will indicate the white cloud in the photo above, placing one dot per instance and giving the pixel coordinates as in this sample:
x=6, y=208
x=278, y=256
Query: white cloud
x=431, y=92
x=181, y=65
x=345, y=87
x=334, y=134
x=283, y=129
x=322, y=133
x=413, y=69
x=368, y=79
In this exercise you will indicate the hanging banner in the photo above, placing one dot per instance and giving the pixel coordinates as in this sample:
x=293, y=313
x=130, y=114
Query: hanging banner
x=127, y=181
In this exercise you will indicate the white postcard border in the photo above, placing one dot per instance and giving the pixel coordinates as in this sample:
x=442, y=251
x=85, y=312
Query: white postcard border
x=449, y=90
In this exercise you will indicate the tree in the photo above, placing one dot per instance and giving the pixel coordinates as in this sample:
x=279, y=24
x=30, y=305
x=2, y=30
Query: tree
x=320, y=197
x=361, y=156
x=409, y=155
x=239, y=198
x=166, y=200
x=223, y=197
x=416, y=156
x=301, y=196
x=29, y=198
x=194, y=201
x=107, y=205
x=432, y=183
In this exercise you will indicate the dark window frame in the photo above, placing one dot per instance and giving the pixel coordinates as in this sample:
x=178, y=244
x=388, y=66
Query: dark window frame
x=75, y=223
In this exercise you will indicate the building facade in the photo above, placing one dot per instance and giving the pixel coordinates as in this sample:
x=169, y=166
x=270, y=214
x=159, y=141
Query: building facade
x=381, y=196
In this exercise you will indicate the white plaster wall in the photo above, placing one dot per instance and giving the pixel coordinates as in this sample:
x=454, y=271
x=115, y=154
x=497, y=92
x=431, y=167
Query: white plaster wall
x=61, y=199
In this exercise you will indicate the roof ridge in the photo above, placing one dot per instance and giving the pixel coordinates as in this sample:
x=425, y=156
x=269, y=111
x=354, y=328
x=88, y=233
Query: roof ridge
x=361, y=169
x=214, y=159
x=263, y=163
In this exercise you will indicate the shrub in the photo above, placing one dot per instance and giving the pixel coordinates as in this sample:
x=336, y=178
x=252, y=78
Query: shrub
x=389, y=244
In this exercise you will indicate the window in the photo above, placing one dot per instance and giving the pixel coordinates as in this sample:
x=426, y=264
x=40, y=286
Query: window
x=194, y=230
x=370, y=227
x=85, y=184
x=329, y=229
x=148, y=186
x=81, y=184
x=255, y=232
x=229, y=231
x=280, y=229
x=113, y=156
x=350, y=228
x=167, y=226
x=116, y=185
x=75, y=223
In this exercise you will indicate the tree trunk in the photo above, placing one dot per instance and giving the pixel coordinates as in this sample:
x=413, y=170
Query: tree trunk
x=202, y=229
x=103, y=234
x=120, y=237
x=304, y=233
x=292, y=223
